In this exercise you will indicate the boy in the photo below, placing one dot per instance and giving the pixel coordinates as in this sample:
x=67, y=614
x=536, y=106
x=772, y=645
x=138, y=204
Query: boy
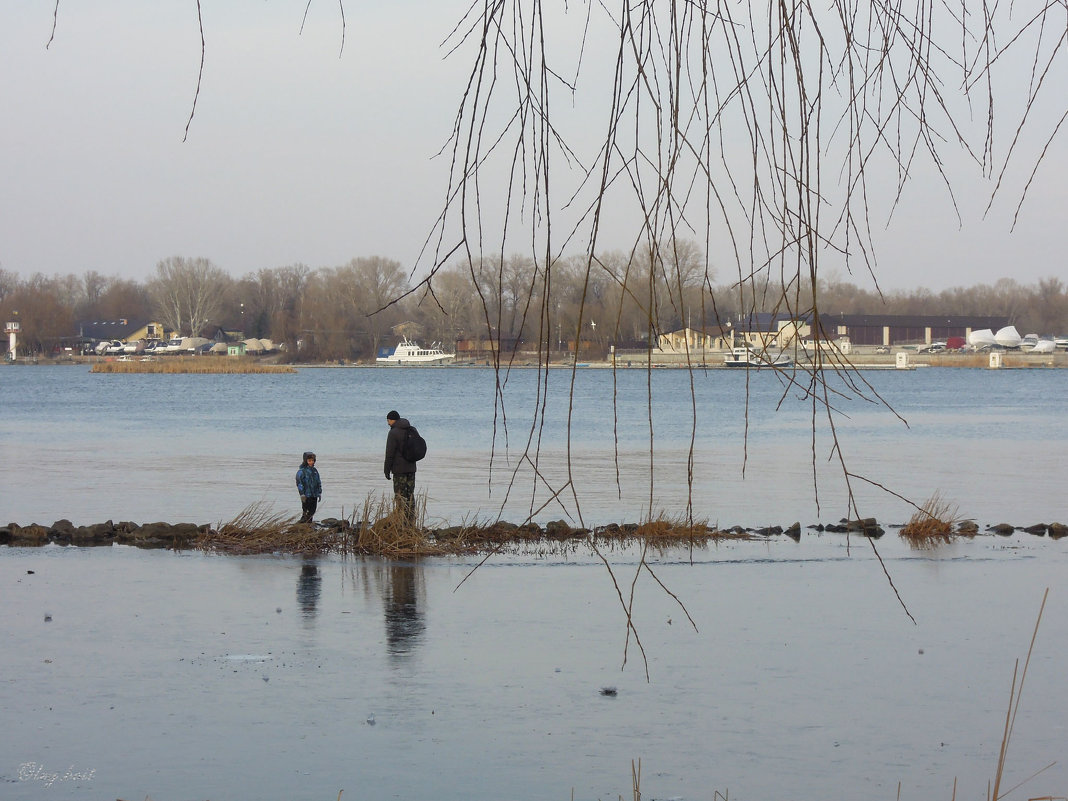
x=309, y=486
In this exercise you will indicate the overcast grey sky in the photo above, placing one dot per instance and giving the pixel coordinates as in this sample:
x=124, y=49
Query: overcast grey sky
x=298, y=155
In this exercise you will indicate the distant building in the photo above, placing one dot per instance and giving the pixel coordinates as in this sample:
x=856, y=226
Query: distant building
x=758, y=330
x=122, y=329
x=695, y=340
x=902, y=329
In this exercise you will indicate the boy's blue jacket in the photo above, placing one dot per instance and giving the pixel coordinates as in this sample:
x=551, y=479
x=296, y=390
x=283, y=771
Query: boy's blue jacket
x=308, y=483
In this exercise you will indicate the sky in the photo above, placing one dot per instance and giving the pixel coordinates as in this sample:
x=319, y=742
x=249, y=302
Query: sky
x=302, y=151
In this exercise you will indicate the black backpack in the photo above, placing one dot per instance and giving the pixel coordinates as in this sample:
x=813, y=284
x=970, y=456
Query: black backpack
x=414, y=447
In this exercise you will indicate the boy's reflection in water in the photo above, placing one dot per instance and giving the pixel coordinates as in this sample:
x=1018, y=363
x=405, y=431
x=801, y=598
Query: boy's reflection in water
x=309, y=587
x=404, y=619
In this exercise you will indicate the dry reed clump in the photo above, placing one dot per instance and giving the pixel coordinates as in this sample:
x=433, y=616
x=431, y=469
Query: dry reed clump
x=932, y=525
x=386, y=530
x=192, y=364
x=257, y=529
x=378, y=528
x=663, y=529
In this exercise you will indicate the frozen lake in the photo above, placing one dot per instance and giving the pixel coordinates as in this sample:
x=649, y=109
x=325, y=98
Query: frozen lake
x=182, y=676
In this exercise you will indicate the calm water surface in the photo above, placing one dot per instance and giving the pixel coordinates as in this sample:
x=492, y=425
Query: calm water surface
x=184, y=676
x=130, y=674
x=203, y=447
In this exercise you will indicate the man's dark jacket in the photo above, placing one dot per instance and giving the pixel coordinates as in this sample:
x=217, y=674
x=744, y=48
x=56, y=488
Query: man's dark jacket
x=395, y=461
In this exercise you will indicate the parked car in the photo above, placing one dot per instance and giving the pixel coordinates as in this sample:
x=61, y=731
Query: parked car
x=934, y=347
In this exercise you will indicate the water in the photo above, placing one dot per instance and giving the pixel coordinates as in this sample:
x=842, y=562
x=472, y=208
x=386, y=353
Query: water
x=132, y=674
x=179, y=676
x=201, y=448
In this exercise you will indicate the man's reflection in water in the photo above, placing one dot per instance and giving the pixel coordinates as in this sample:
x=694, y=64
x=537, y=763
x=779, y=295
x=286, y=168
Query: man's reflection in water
x=404, y=619
x=309, y=587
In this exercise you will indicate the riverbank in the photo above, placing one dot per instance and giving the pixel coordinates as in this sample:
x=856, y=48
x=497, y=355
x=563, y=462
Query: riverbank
x=385, y=537
x=863, y=358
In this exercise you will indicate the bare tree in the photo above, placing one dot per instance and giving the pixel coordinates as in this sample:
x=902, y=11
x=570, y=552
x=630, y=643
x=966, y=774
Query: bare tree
x=9, y=282
x=188, y=293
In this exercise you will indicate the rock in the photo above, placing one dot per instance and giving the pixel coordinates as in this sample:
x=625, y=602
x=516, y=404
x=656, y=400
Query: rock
x=817, y=527
x=531, y=531
x=1058, y=530
x=794, y=532
x=162, y=535
x=96, y=534
x=1002, y=529
x=769, y=531
x=868, y=526
x=862, y=524
x=1038, y=529
x=32, y=534
x=558, y=530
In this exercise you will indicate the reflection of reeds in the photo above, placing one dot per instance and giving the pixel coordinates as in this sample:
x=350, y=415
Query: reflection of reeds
x=192, y=364
x=932, y=525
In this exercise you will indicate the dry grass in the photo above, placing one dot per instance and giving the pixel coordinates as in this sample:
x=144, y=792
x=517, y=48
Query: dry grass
x=667, y=530
x=932, y=525
x=192, y=364
x=384, y=530
x=378, y=529
x=257, y=529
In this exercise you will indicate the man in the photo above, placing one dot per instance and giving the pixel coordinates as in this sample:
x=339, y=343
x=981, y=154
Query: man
x=400, y=469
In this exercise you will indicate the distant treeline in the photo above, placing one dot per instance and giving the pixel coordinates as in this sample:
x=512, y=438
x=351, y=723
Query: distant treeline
x=351, y=311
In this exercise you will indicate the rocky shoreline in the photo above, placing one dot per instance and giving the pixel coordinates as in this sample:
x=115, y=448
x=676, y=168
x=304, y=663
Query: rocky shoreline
x=332, y=533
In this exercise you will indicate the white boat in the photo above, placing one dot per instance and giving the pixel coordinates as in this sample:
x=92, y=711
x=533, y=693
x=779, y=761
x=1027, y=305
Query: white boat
x=1008, y=337
x=747, y=357
x=1044, y=346
x=981, y=339
x=409, y=352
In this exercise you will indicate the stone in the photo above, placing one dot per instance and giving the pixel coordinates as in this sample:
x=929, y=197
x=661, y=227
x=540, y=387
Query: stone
x=1002, y=529
x=793, y=531
x=557, y=529
x=1038, y=529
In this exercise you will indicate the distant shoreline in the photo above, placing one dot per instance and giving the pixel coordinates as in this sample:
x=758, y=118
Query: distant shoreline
x=623, y=361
